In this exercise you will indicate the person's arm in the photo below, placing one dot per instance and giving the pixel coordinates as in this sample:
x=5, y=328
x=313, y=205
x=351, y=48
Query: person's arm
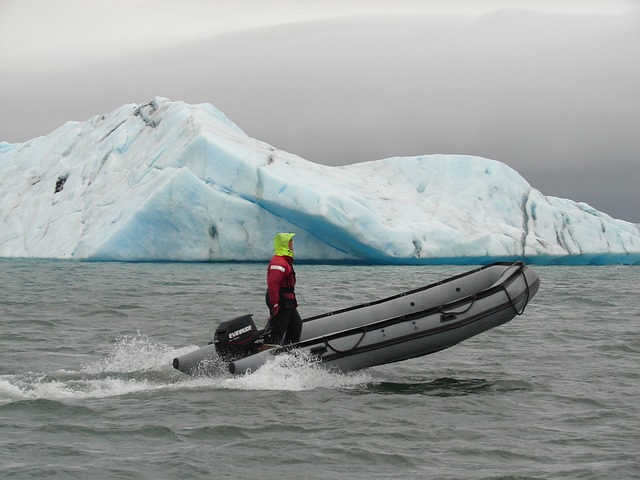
x=274, y=280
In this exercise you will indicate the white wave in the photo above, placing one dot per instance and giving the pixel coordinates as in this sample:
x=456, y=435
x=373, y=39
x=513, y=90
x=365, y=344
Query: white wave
x=130, y=367
x=137, y=364
x=295, y=371
x=32, y=388
x=136, y=353
x=8, y=391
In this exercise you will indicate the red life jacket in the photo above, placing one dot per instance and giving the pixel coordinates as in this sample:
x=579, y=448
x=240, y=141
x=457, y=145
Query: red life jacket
x=281, y=282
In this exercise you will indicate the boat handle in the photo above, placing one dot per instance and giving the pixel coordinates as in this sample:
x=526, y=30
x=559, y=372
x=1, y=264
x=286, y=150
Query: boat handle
x=446, y=317
x=318, y=351
x=447, y=314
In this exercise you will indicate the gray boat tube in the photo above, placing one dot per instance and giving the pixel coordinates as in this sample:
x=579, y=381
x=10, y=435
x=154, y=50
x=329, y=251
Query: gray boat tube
x=197, y=361
x=414, y=323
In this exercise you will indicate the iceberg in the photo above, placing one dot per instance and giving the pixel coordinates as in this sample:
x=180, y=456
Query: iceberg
x=171, y=181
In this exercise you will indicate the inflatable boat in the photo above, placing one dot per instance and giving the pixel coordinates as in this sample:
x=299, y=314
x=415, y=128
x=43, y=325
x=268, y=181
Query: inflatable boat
x=396, y=328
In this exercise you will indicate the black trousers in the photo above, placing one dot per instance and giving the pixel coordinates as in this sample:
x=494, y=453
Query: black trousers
x=285, y=327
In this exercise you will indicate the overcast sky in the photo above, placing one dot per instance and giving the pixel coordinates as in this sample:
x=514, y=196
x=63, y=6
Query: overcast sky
x=549, y=88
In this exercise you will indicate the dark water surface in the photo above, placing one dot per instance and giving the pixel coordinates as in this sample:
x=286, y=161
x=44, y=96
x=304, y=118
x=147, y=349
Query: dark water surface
x=87, y=389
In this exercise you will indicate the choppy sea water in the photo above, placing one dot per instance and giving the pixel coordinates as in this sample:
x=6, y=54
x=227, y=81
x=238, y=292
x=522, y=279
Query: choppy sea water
x=87, y=389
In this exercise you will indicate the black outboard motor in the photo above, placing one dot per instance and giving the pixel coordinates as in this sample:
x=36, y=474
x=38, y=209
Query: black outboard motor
x=234, y=339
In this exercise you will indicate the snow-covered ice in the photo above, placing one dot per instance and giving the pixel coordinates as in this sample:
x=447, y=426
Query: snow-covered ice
x=173, y=181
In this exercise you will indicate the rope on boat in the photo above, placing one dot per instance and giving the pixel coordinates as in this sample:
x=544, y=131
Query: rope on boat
x=326, y=342
x=526, y=302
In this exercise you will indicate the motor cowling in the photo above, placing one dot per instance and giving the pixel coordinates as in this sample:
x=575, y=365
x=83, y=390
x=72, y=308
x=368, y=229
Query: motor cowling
x=235, y=338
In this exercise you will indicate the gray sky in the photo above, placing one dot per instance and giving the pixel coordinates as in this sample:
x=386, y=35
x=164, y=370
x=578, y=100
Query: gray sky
x=549, y=88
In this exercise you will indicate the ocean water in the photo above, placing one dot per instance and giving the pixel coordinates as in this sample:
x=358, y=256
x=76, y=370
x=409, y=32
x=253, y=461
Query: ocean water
x=87, y=389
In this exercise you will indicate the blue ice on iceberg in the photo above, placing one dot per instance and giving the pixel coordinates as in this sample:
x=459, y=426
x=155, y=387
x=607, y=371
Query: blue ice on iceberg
x=169, y=181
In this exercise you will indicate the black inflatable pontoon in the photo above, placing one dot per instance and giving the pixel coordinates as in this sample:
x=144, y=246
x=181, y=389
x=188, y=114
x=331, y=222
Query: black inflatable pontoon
x=407, y=325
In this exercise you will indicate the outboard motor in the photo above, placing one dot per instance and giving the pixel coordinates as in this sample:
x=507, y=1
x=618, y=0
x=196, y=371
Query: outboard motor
x=234, y=339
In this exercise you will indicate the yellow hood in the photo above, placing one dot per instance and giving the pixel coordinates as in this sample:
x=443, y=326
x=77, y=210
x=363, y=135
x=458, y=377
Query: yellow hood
x=281, y=244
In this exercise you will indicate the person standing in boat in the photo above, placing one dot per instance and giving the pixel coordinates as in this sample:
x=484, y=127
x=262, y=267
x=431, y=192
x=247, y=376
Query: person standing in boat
x=285, y=324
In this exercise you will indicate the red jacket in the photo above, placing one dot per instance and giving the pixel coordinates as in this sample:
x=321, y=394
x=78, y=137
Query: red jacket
x=281, y=281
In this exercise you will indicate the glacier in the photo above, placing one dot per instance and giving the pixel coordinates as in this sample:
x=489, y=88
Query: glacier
x=171, y=181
